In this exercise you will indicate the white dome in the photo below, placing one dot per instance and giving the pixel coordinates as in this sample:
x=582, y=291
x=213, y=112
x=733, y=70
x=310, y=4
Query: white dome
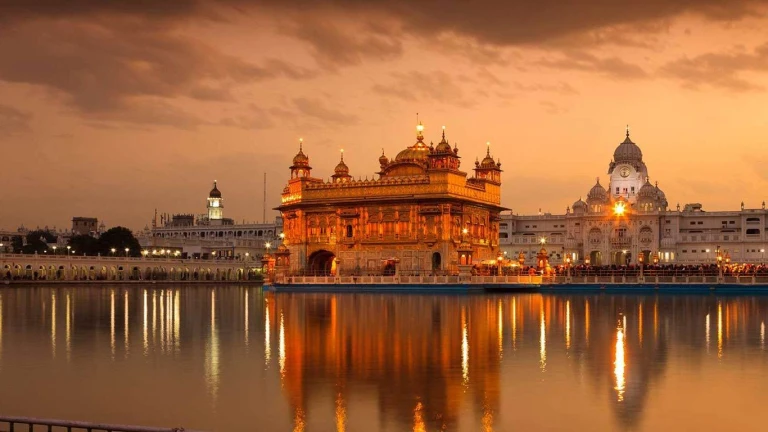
x=627, y=151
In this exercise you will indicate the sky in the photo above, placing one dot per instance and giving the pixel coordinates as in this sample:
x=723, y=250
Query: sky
x=115, y=109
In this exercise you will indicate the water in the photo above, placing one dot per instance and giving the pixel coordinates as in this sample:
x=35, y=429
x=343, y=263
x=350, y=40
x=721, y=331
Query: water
x=235, y=359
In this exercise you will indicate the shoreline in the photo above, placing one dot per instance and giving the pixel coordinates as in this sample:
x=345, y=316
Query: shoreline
x=7, y=283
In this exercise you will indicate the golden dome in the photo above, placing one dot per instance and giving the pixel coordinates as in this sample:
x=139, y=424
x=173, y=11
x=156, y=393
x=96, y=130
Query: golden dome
x=443, y=146
x=300, y=158
x=416, y=152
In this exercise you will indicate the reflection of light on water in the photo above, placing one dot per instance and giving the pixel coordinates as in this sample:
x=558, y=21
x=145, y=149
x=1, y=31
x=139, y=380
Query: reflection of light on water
x=418, y=418
x=762, y=335
x=53, y=324
x=176, y=323
x=640, y=323
x=487, y=420
x=706, y=331
x=542, y=341
x=245, y=325
x=212, y=354
x=586, y=321
x=568, y=324
x=125, y=321
x=154, y=317
x=514, y=323
x=341, y=414
x=501, y=330
x=267, y=348
x=281, y=347
x=719, y=330
x=112, y=322
x=464, y=349
x=146, y=340
x=68, y=326
x=619, y=364
x=298, y=421
x=163, y=336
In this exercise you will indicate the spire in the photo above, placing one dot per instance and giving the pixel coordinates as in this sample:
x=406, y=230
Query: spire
x=488, y=149
x=598, y=180
x=419, y=129
x=443, y=133
x=627, y=131
x=342, y=155
x=301, y=145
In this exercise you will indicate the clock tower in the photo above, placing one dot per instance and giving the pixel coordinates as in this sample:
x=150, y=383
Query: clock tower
x=215, y=204
x=627, y=170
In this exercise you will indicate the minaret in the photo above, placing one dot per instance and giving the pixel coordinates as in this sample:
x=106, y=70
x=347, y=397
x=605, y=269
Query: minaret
x=215, y=204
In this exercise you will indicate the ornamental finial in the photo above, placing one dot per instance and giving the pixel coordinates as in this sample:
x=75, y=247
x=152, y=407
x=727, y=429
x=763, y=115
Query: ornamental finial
x=342, y=155
x=301, y=144
x=627, y=131
x=443, y=133
x=488, y=148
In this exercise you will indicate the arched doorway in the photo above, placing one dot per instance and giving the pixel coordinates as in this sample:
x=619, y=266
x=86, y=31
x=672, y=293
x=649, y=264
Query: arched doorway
x=322, y=263
x=436, y=261
x=620, y=258
x=596, y=258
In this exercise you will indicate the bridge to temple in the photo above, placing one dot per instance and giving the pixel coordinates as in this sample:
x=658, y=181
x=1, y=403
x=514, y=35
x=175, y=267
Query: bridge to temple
x=89, y=268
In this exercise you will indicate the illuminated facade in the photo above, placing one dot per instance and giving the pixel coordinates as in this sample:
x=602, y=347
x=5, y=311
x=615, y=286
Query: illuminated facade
x=415, y=217
x=615, y=225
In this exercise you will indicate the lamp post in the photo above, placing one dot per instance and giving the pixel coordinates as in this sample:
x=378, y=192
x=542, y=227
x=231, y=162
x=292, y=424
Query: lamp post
x=568, y=268
x=640, y=259
x=126, y=252
x=499, y=258
x=69, y=248
x=54, y=248
x=762, y=255
x=113, y=251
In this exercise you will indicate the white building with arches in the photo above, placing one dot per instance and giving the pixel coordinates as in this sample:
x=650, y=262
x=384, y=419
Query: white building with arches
x=630, y=216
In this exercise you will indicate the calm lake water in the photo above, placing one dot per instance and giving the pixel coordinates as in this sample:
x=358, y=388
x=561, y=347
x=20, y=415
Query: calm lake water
x=235, y=358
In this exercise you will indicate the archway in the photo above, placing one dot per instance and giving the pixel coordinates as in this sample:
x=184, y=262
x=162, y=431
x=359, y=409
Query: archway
x=322, y=263
x=620, y=258
x=596, y=258
x=436, y=261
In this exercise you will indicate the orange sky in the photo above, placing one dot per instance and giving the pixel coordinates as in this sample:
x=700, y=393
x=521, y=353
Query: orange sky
x=113, y=110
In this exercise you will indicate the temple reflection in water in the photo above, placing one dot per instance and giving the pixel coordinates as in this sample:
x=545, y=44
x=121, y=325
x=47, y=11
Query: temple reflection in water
x=379, y=361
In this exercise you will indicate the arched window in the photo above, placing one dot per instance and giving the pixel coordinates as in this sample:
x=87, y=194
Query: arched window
x=349, y=231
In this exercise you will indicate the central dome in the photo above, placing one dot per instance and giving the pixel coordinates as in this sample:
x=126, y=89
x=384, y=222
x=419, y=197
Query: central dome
x=416, y=152
x=627, y=151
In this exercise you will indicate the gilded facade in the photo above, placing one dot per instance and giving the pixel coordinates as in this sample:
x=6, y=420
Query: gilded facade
x=415, y=217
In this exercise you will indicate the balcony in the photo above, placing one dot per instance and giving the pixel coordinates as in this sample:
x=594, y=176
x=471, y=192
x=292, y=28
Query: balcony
x=621, y=241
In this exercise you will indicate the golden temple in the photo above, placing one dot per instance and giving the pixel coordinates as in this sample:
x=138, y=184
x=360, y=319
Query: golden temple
x=421, y=215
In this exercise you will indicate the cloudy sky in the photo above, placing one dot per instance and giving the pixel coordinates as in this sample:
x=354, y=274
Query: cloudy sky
x=112, y=109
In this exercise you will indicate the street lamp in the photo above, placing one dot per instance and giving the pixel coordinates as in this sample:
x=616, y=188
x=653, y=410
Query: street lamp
x=282, y=236
x=145, y=253
x=248, y=254
x=762, y=252
x=113, y=251
x=267, y=245
x=126, y=251
x=54, y=248
x=69, y=250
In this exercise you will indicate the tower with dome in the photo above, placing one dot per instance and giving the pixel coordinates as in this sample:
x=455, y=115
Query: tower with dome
x=627, y=218
x=412, y=216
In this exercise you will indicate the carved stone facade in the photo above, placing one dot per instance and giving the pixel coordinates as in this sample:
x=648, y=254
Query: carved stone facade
x=411, y=219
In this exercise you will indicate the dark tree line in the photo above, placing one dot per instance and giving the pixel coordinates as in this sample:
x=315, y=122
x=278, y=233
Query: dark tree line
x=118, y=238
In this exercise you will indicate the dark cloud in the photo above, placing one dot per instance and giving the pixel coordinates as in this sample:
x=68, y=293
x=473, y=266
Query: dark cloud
x=13, y=121
x=252, y=118
x=318, y=109
x=613, y=67
x=415, y=85
x=116, y=72
x=723, y=70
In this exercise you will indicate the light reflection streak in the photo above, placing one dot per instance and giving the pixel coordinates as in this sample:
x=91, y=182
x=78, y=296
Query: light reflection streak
x=281, y=347
x=125, y=320
x=586, y=321
x=146, y=340
x=245, y=325
x=267, y=347
x=762, y=335
x=418, y=418
x=154, y=317
x=1, y=325
x=212, y=354
x=640, y=323
x=176, y=321
x=162, y=321
x=719, y=330
x=464, y=349
x=341, y=414
x=706, y=332
x=487, y=420
x=619, y=364
x=501, y=330
x=112, y=322
x=298, y=421
x=542, y=341
x=568, y=324
x=68, y=326
x=53, y=324
x=514, y=323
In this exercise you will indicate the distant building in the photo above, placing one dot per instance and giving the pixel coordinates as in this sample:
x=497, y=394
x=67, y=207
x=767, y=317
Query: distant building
x=85, y=226
x=210, y=235
x=630, y=218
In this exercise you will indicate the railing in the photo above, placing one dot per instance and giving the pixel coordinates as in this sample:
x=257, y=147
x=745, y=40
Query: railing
x=34, y=424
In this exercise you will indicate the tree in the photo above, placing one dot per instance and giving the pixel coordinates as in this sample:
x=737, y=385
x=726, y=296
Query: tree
x=84, y=244
x=37, y=241
x=119, y=238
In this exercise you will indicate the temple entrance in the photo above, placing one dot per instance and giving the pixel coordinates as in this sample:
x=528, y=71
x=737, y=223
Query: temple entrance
x=436, y=261
x=596, y=258
x=620, y=258
x=322, y=263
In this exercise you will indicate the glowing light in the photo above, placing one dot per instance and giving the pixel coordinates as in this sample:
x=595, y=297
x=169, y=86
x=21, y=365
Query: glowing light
x=298, y=421
x=418, y=418
x=267, y=347
x=176, y=323
x=619, y=364
x=464, y=349
x=619, y=208
x=212, y=355
x=568, y=324
x=281, y=347
x=341, y=414
x=542, y=341
x=719, y=330
x=420, y=127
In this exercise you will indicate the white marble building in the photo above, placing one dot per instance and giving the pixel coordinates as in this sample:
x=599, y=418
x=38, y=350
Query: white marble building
x=632, y=215
x=210, y=235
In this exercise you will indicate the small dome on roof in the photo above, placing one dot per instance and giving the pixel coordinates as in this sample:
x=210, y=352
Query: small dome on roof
x=300, y=159
x=597, y=193
x=341, y=168
x=215, y=192
x=579, y=205
x=443, y=146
